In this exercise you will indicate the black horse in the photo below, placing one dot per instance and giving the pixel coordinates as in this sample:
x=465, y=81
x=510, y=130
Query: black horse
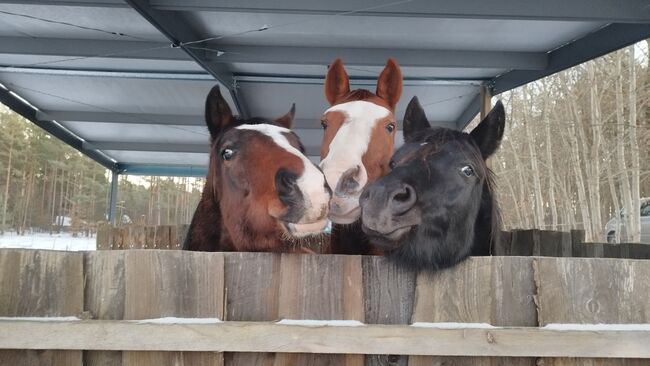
x=436, y=206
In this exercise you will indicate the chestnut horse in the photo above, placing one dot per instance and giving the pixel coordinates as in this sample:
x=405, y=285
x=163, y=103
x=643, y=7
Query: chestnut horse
x=360, y=128
x=261, y=191
x=436, y=206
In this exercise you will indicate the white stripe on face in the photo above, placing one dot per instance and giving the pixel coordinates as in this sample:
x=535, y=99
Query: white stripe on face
x=351, y=140
x=311, y=183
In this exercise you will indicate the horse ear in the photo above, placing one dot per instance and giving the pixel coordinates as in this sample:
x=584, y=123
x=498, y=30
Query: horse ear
x=489, y=132
x=217, y=112
x=414, y=119
x=286, y=120
x=337, y=83
x=389, y=84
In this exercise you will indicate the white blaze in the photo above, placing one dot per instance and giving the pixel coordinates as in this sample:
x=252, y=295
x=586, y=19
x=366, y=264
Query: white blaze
x=351, y=140
x=311, y=183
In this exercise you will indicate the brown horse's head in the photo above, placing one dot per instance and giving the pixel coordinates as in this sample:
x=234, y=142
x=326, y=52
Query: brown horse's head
x=266, y=188
x=359, y=135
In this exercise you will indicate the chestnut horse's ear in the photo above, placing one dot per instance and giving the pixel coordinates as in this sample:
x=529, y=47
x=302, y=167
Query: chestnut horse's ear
x=286, y=120
x=489, y=132
x=337, y=83
x=414, y=119
x=217, y=112
x=389, y=84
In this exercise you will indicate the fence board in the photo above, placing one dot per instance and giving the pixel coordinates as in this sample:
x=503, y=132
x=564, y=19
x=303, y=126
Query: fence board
x=592, y=291
x=252, y=283
x=307, y=283
x=40, y=283
x=388, y=294
x=492, y=290
x=104, y=297
x=373, y=339
x=173, y=284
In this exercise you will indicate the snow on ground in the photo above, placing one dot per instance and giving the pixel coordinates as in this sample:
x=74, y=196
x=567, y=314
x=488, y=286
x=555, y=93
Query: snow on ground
x=63, y=241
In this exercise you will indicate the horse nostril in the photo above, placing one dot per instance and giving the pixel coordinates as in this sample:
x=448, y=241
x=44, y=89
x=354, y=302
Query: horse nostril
x=403, y=199
x=286, y=184
x=349, y=182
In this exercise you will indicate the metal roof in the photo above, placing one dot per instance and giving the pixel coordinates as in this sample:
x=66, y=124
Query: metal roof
x=124, y=82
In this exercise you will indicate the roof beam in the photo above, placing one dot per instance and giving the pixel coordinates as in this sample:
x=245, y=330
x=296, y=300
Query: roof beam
x=91, y=48
x=92, y=3
x=596, y=44
x=130, y=118
x=378, y=56
x=575, y=10
x=20, y=106
x=178, y=32
x=202, y=148
x=273, y=55
x=163, y=170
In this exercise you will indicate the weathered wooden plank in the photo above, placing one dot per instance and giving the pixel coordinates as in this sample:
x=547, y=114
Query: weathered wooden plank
x=611, y=291
x=502, y=246
x=388, y=294
x=136, y=237
x=150, y=237
x=103, y=237
x=307, y=283
x=252, y=282
x=161, y=239
x=40, y=283
x=104, y=292
x=522, y=243
x=172, y=284
x=492, y=290
x=372, y=339
x=181, y=233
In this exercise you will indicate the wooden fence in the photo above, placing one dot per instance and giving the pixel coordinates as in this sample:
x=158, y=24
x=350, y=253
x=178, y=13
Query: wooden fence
x=485, y=311
x=509, y=243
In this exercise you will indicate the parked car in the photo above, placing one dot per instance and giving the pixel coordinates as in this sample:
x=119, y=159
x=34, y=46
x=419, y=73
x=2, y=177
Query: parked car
x=613, y=224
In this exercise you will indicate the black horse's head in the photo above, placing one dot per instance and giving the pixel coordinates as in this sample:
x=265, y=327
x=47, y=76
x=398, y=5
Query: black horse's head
x=435, y=207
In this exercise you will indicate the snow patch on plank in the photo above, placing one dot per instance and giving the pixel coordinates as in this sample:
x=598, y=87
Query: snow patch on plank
x=321, y=323
x=174, y=320
x=444, y=325
x=41, y=318
x=597, y=327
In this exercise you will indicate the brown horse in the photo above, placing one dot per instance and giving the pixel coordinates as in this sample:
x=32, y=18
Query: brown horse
x=261, y=191
x=357, y=144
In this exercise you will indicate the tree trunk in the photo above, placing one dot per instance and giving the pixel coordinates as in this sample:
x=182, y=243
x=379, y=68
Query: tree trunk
x=5, y=198
x=623, y=178
x=538, y=218
x=635, y=219
x=549, y=159
x=594, y=158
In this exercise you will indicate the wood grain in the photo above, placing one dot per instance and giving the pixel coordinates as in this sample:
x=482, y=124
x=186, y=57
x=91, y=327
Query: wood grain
x=371, y=339
x=40, y=283
x=172, y=284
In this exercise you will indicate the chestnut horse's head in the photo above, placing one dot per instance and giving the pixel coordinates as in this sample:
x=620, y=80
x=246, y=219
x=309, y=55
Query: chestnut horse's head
x=359, y=135
x=265, y=186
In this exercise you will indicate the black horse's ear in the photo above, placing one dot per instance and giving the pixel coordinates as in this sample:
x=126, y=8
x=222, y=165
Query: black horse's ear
x=489, y=132
x=217, y=112
x=286, y=120
x=414, y=119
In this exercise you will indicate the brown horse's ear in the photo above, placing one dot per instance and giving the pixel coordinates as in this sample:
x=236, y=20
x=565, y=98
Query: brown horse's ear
x=286, y=120
x=489, y=132
x=337, y=83
x=389, y=84
x=217, y=112
x=414, y=119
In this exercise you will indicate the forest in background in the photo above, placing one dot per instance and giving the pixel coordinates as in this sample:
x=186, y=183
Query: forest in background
x=576, y=147
x=575, y=152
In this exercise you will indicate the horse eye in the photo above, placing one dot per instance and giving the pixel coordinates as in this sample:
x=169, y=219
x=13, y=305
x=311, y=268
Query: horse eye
x=226, y=154
x=323, y=124
x=392, y=164
x=467, y=170
x=390, y=127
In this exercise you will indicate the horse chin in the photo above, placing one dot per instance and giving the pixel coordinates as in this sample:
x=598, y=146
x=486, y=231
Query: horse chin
x=306, y=229
x=344, y=216
x=387, y=240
